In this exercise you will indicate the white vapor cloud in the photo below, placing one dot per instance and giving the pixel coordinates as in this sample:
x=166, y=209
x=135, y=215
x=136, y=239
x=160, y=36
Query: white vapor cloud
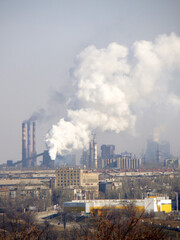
x=112, y=89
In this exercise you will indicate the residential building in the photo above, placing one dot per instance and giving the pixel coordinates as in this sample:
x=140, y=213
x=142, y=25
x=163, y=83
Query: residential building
x=66, y=177
x=78, y=179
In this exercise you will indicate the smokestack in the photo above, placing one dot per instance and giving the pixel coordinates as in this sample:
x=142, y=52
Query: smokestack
x=157, y=154
x=34, y=143
x=23, y=145
x=34, y=137
x=28, y=140
x=94, y=151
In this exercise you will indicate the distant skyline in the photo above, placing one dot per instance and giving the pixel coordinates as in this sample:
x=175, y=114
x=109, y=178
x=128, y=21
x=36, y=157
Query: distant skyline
x=39, y=45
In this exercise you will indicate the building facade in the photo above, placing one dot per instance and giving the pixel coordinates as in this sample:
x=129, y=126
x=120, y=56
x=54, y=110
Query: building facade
x=78, y=179
x=66, y=177
x=153, y=204
x=107, y=151
x=121, y=163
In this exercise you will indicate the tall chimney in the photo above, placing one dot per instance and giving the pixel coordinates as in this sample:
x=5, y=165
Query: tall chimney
x=94, y=151
x=34, y=144
x=34, y=138
x=23, y=145
x=28, y=140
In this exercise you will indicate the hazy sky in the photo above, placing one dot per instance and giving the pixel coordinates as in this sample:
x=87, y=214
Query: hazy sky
x=39, y=42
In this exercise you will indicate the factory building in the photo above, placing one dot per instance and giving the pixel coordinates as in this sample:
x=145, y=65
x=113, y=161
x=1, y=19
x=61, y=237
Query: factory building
x=107, y=151
x=172, y=162
x=67, y=160
x=157, y=152
x=149, y=204
x=89, y=157
x=121, y=163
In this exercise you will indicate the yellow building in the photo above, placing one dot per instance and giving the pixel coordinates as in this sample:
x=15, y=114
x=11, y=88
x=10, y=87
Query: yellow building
x=156, y=204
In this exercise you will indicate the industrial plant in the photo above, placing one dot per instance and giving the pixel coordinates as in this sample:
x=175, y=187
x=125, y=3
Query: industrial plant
x=156, y=155
x=100, y=183
x=29, y=152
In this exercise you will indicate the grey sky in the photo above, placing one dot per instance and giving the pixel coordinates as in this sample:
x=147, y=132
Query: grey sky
x=39, y=41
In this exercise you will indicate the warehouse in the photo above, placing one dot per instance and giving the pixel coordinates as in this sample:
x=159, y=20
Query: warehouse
x=149, y=204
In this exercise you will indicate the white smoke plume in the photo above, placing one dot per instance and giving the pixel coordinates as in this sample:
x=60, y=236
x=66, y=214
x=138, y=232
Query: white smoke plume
x=45, y=114
x=157, y=132
x=112, y=89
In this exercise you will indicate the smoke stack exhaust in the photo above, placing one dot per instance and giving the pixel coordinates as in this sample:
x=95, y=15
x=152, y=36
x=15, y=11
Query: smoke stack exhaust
x=34, y=143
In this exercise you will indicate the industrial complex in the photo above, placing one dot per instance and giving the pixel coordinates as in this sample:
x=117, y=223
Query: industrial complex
x=101, y=182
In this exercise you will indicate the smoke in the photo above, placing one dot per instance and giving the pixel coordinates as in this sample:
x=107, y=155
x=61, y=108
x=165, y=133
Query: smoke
x=45, y=114
x=114, y=91
x=157, y=133
x=37, y=115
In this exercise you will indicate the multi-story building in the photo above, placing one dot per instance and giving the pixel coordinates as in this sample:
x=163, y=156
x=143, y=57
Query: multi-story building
x=78, y=179
x=121, y=163
x=66, y=177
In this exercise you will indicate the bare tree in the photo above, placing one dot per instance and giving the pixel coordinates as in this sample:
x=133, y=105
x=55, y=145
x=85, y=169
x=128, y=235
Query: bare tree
x=123, y=224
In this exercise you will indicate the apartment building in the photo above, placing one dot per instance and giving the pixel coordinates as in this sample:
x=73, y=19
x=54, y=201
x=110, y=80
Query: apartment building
x=66, y=177
x=78, y=179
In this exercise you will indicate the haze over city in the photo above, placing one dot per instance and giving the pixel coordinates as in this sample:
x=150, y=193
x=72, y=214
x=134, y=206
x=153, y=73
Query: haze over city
x=110, y=67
